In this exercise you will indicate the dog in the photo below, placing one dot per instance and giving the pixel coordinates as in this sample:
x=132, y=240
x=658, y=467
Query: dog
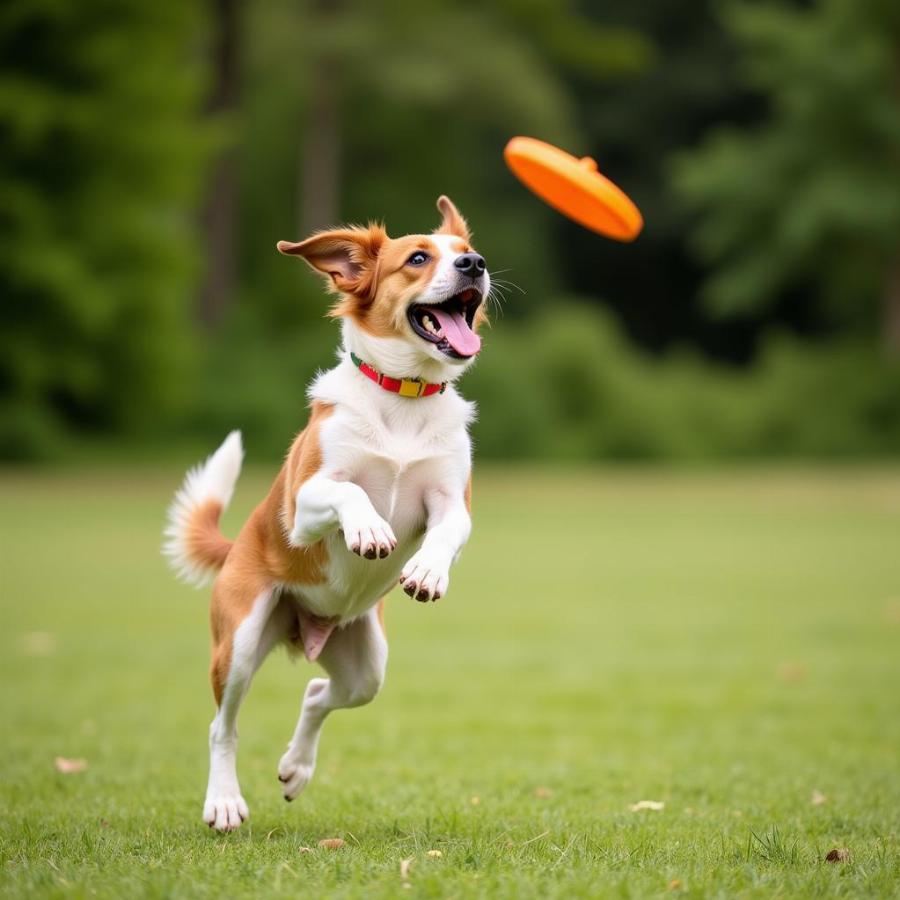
x=375, y=490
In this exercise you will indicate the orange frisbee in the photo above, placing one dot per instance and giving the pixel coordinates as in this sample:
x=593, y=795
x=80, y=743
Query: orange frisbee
x=573, y=187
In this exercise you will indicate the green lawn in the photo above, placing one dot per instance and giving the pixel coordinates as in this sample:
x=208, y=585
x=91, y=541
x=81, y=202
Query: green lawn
x=726, y=643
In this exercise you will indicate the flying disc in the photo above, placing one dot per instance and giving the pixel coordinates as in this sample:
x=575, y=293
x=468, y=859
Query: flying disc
x=573, y=187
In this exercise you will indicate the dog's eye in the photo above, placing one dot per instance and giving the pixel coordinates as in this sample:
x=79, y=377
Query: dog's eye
x=417, y=259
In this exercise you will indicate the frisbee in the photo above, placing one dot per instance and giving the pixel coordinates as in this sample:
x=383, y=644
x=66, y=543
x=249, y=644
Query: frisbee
x=573, y=187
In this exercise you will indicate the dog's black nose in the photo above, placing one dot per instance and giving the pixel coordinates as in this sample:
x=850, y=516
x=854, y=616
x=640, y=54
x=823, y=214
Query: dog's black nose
x=470, y=264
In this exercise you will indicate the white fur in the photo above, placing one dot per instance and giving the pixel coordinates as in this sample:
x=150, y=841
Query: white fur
x=394, y=475
x=212, y=480
x=355, y=658
x=224, y=807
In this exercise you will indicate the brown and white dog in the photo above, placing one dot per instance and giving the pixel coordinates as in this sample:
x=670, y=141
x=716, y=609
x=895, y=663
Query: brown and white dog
x=374, y=490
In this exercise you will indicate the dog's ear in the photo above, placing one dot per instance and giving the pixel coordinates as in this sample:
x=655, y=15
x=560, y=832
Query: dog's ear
x=452, y=222
x=347, y=256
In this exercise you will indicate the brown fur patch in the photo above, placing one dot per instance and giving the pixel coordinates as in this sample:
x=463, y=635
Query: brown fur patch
x=261, y=556
x=452, y=221
x=203, y=541
x=396, y=286
x=346, y=255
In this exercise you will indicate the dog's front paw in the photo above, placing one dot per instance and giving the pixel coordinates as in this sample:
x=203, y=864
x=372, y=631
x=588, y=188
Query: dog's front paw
x=294, y=775
x=367, y=534
x=225, y=811
x=425, y=577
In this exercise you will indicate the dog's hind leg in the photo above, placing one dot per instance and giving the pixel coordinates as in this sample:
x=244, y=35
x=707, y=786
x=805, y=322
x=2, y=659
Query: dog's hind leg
x=354, y=658
x=246, y=625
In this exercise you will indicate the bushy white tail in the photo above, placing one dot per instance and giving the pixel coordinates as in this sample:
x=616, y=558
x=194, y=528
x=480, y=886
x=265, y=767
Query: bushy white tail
x=195, y=547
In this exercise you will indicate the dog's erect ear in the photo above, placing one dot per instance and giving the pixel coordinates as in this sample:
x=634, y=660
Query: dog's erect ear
x=346, y=255
x=453, y=222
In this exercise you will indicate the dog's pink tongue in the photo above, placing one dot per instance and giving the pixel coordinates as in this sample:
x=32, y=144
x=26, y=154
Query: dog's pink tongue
x=456, y=329
x=315, y=633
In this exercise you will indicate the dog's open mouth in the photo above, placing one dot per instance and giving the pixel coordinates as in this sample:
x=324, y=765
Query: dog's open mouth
x=448, y=325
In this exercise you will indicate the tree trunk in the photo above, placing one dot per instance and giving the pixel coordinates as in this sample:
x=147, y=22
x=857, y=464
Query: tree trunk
x=319, y=201
x=318, y=205
x=219, y=214
x=891, y=309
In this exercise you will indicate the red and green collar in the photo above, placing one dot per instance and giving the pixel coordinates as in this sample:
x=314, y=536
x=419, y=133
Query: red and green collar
x=405, y=387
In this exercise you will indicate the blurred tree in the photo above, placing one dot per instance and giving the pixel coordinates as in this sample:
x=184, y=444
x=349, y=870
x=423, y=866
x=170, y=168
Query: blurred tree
x=98, y=173
x=633, y=126
x=220, y=209
x=811, y=195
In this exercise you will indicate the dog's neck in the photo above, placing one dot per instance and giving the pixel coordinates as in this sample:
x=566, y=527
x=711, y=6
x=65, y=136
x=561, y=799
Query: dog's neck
x=395, y=356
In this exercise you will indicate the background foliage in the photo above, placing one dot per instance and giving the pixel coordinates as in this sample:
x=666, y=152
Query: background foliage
x=152, y=155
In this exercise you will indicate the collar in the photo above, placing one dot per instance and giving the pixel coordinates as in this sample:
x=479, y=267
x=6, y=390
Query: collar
x=405, y=387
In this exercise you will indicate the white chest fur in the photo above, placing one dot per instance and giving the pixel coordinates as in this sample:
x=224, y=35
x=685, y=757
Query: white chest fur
x=397, y=450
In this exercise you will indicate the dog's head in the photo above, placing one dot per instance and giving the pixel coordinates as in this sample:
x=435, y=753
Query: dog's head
x=411, y=305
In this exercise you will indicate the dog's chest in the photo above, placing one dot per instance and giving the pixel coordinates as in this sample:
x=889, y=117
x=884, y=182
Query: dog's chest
x=396, y=464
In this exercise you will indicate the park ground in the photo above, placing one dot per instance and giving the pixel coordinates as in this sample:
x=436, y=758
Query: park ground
x=723, y=643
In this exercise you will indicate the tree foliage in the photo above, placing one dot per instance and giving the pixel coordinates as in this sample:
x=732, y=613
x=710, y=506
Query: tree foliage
x=99, y=168
x=809, y=196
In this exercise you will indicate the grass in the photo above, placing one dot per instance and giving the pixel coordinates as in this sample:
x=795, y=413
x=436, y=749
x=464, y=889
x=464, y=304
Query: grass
x=726, y=643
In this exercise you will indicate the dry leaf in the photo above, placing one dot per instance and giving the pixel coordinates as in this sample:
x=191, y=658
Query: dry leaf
x=647, y=804
x=404, y=868
x=38, y=643
x=838, y=854
x=434, y=854
x=791, y=672
x=475, y=801
x=332, y=843
x=674, y=884
x=304, y=849
x=543, y=792
x=818, y=798
x=69, y=766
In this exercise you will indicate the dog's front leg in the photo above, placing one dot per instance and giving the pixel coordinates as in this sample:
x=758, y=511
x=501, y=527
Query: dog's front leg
x=427, y=575
x=324, y=505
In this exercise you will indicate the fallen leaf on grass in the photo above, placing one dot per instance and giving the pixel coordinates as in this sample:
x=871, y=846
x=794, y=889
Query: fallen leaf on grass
x=475, y=801
x=543, y=792
x=434, y=854
x=791, y=672
x=818, y=798
x=647, y=804
x=404, y=868
x=331, y=843
x=838, y=855
x=304, y=849
x=39, y=643
x=674, y=884
x=69, y=766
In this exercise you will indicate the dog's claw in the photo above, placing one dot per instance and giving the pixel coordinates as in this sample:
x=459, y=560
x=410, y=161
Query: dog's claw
x=370, y=553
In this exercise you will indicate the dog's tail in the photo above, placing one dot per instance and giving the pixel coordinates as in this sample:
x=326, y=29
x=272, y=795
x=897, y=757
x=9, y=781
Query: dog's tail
x=194, y=545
